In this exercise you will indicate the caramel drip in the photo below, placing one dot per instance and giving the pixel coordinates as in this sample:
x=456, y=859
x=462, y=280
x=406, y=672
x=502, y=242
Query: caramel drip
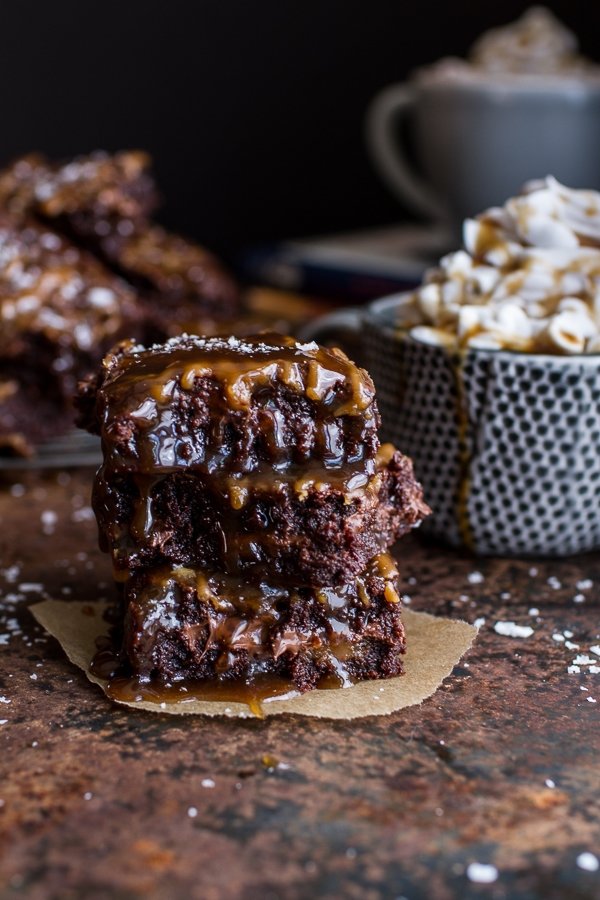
x=324, y=376
x=488, y=238
x=464, y=482
x=262, y=689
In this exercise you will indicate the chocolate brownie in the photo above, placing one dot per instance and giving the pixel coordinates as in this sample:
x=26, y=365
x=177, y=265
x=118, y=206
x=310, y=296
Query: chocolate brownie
x=182, y=286
x=228, y=405
x=308, y=526
x=60, y=310
x=185, y=624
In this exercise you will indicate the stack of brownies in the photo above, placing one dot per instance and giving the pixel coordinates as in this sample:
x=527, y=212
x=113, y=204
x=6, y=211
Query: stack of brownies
x=248, y=506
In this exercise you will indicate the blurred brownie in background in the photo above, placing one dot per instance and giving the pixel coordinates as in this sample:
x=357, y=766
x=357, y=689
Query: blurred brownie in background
x=82, y=265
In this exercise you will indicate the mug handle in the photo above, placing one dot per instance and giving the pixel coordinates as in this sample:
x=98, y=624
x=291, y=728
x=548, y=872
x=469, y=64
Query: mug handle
x=384, y=114
x=347, y=320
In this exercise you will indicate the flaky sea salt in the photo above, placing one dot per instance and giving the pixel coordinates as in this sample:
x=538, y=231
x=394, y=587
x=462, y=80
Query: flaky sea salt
x=588, y=861
x=48, y=519
x=482, y=873
x=511, y=629
x=475, y=578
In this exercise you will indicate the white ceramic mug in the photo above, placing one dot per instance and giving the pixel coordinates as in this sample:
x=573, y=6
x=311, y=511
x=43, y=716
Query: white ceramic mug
x=476, y=142
x=505, y=444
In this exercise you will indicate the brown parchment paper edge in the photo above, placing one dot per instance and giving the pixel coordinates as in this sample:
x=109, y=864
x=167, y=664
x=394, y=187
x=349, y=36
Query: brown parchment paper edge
x=434, y=647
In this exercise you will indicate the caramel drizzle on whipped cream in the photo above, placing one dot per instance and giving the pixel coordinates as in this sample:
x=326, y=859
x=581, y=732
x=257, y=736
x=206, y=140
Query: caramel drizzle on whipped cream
x=527, y=279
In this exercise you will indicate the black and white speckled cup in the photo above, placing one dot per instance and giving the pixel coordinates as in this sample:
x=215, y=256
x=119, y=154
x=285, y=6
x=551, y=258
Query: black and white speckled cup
x=506, y=444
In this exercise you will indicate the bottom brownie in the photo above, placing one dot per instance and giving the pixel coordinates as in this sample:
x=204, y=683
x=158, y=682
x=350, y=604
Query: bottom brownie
x=184, y=625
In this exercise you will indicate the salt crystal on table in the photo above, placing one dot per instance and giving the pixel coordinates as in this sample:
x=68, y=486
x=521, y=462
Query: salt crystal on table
x=48, y=520
x=585, y=584
x=475, y=578
x=588, y=861
x=12, y=573
x=511, y=629
x=482, y=873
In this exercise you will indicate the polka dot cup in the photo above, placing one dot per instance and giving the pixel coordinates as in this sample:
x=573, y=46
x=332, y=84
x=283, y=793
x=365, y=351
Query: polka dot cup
x=506, y=445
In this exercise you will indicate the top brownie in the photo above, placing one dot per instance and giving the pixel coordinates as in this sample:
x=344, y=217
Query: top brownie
x=231, y=405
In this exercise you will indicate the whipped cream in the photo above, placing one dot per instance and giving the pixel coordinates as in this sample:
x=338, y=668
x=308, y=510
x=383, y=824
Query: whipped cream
x=532, y=50
x=528, y=278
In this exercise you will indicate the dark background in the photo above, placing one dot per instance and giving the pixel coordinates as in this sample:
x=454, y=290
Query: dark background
x=252, y=109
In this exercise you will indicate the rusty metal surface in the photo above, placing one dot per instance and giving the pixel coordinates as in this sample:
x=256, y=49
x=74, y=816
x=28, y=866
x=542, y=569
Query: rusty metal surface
x=501, y=766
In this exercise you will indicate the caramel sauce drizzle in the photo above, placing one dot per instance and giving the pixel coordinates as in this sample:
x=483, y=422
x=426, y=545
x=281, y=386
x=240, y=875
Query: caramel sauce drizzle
x=307, y=369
